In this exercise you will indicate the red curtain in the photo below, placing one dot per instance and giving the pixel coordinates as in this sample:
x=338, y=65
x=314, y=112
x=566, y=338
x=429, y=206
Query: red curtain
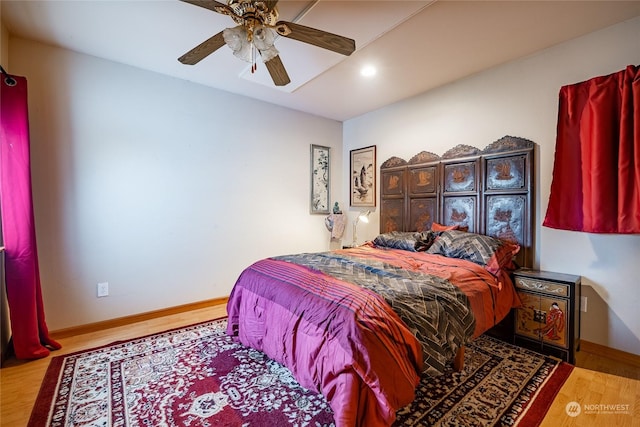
x=596, y=174
x=29, y=331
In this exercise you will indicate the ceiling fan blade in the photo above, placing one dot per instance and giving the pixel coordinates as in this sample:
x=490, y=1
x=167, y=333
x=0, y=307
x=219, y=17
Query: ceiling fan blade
x=213, y=5
x=203, y=50
x=278, y=73
x=323, y=39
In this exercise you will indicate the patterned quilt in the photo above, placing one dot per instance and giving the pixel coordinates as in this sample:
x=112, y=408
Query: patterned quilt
x=436, y=312
x=360, y=325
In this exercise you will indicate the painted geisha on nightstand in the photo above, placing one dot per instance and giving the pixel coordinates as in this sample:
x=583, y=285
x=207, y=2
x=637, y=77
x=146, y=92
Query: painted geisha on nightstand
x=542, y=318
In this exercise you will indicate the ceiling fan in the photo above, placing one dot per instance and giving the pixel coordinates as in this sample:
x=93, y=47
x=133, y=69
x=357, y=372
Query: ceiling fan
x=255, y=33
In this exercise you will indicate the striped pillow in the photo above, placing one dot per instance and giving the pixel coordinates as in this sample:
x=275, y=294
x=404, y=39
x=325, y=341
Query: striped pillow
x=397, y=240
x=409, y=241
x=490, y=252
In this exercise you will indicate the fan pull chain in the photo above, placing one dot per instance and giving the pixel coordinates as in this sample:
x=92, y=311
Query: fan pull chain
x=254, y=65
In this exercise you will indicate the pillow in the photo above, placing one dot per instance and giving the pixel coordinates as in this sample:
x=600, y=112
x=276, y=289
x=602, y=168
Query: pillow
x=397, y=240
x=439, y=227
x=406, y=240
x=490, y=252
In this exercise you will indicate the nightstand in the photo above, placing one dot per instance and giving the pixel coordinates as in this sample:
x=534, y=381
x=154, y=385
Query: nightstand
x=549, y=319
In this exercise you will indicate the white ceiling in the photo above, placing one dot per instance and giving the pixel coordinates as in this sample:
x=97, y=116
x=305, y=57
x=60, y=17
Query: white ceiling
x=416, y=45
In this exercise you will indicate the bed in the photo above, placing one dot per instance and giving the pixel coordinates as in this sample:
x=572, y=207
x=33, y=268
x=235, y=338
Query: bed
x=361, y=325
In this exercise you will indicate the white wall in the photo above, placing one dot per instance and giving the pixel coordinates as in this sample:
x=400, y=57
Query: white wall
x=520, y=99
x=164, y=189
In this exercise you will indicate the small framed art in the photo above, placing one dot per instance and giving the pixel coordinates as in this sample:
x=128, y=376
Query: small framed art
x=319, y=179
x=363, y=176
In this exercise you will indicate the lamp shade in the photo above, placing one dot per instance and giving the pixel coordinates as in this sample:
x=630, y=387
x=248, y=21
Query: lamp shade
x=364, y=217
x=236, y=39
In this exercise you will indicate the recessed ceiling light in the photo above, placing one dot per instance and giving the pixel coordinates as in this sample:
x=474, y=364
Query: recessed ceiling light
x=368, y=71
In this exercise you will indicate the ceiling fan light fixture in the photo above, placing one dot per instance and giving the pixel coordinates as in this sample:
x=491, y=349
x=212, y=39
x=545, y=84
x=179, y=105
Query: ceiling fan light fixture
x=236, y=39
x=263, y=39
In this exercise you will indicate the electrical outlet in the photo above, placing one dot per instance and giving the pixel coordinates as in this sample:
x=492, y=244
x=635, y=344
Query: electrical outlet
x=583, y=304
x=103, y=289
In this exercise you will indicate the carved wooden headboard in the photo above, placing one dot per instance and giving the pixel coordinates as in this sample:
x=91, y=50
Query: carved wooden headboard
x=490, y=191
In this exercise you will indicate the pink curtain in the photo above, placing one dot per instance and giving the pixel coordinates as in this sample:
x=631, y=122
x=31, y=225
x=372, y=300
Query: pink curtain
x=596, y=174
x=29, y=330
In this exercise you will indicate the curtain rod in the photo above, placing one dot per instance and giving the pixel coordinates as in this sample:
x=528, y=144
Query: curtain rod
x=10, y=81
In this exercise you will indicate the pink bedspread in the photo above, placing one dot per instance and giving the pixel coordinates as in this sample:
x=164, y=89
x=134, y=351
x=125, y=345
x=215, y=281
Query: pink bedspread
x=336, y=337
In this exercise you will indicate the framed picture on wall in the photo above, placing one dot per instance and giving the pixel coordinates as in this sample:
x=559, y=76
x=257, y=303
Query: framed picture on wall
x=363, y=176
x=319, y=179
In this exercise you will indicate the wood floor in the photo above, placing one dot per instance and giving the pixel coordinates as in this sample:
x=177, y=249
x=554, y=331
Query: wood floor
x=592, y=389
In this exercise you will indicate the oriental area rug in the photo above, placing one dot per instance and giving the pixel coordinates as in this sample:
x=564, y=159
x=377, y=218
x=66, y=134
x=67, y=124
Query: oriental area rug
x=197, y=376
